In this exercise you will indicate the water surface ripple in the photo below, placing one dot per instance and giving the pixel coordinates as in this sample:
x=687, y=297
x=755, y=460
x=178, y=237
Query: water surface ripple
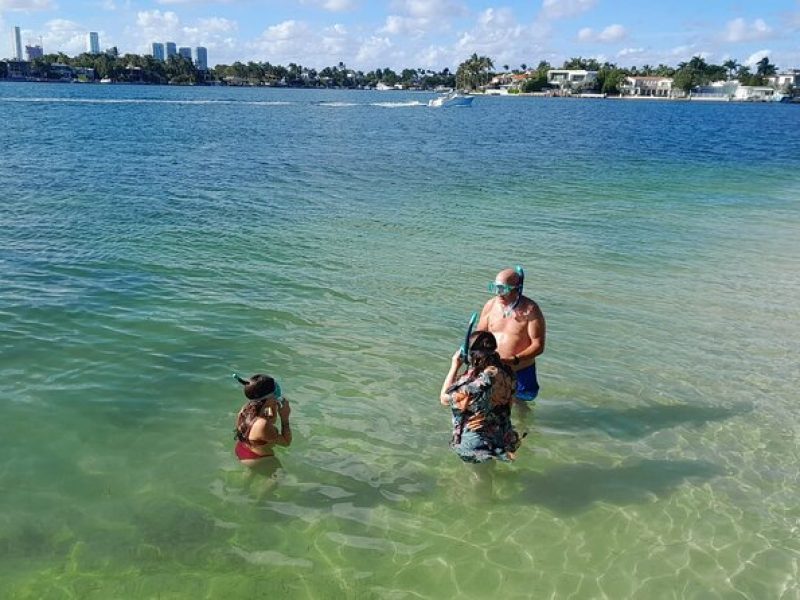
x=155, y=239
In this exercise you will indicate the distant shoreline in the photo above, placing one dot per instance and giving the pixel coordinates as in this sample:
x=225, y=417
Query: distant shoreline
x=389, y=92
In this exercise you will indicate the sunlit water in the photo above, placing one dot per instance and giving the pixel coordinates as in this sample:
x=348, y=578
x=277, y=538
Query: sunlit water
x=153, y=240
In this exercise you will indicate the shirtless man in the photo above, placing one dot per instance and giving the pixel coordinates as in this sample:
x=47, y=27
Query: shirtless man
x=518, y=325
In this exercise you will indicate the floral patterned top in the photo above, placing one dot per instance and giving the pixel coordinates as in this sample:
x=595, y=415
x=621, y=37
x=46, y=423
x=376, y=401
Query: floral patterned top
x=481, y=405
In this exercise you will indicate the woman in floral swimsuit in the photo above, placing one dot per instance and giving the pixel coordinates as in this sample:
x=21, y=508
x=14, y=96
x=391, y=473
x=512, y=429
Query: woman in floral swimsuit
x=481, y=401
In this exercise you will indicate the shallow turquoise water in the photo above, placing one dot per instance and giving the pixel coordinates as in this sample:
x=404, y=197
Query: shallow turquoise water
x=152, y=240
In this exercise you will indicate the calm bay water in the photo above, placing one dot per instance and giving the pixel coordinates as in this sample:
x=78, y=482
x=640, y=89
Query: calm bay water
x=153, y=240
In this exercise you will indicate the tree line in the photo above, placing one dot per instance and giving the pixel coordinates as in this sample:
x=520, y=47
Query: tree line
x=473, y=73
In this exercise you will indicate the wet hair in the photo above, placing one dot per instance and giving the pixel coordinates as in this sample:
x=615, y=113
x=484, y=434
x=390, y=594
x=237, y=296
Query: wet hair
x=483, y=352
x=256, y=390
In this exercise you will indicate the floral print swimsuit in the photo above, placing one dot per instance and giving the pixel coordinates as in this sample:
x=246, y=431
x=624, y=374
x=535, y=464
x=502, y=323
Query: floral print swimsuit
x=481, y=405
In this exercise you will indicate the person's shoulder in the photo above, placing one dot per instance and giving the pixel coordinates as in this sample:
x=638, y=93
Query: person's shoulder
x=531, y=306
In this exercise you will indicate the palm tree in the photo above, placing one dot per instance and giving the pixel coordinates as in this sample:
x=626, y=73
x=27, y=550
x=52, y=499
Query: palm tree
x=474, y=72
x=731, y=64
x=764, y=68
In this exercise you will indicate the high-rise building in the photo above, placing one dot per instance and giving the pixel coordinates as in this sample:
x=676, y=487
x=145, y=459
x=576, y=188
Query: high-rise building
x=201, y=58
x=34, y=52
x=17, y=41
x=171, y=49
x=185, y=53
x=158, y=50
x=93, y=43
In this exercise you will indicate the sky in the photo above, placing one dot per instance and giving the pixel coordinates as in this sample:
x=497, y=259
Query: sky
x=429, y=34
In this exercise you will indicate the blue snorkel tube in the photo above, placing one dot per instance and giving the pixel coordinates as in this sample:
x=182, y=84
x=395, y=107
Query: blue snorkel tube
x=521, y=273
x=473, y=320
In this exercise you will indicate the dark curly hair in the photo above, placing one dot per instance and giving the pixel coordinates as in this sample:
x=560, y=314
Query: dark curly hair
x=483, y=352
x=256, y=390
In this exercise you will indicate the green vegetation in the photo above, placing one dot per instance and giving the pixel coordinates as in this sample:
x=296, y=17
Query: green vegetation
x=474, y=73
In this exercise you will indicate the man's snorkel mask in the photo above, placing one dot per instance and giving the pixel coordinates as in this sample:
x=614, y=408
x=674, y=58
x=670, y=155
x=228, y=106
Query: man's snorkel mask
x=275, y=387
x=503, y=289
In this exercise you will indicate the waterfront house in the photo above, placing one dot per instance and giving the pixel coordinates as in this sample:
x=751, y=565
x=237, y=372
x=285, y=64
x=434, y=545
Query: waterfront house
x=568, y=80
x=716, y=90
x=640, y=85
x=755, y=93
x=787, y=80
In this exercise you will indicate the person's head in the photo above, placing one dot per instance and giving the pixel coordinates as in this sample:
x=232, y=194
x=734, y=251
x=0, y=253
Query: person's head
x=259, y=386
x=506, y=286
x=483, y=350
x=263, y=393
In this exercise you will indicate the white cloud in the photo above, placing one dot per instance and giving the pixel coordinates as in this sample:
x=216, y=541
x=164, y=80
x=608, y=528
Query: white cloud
x=416, y=18
x=630, y=52
x=194, y=1
x=561, y=9
x=331, y=5
x=740, y=30
x=217, y=34
x=397, y=25
x=612, y=33
x=374, y=51
x=296, y=41
x=753, y=59
x=62, y=35
x=498, y=35
x=27, y=5
x=429, y=9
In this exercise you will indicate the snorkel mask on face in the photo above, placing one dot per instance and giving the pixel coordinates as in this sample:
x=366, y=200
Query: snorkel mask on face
x=504, y=289
x=501, y=289
x=276, y=392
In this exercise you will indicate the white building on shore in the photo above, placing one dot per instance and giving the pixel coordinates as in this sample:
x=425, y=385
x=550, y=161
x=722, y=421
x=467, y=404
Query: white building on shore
x=571, y=79
x=640, y=85
x=787, y=80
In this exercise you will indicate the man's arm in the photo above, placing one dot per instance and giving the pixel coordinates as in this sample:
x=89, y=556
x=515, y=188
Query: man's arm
x=536, y=333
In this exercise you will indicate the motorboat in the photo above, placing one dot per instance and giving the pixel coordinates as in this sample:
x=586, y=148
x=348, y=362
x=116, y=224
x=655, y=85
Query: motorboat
x=453, y=98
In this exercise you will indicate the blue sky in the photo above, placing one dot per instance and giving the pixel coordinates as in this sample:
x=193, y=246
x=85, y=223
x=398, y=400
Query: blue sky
x=420, y=33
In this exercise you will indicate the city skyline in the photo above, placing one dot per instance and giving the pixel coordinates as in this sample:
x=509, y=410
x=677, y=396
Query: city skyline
x=432, y=34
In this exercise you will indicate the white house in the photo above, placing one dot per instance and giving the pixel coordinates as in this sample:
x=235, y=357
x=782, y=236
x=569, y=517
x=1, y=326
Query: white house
x=640, y=85
x=755, y=93
x=790, y=78
x=571, y=79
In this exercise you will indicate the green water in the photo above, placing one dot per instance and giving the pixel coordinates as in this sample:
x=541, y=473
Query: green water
x=340, y=241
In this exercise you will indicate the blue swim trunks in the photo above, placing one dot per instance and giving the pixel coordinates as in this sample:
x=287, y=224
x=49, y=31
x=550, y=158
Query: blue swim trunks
x=527, y=384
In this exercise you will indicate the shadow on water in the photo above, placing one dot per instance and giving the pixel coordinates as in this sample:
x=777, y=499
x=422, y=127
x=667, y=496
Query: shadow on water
x=573, y=488
x=633, y=423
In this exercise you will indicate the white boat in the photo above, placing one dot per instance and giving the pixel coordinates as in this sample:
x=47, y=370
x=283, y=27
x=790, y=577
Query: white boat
x=454, y=98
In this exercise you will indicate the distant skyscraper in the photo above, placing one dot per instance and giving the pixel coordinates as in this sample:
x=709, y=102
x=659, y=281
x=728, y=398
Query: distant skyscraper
x=201, y=58
x=93, y=43
x=34, y=52
x=185, y=53
x=158, y=50
x=171, y=50
x=17, y=41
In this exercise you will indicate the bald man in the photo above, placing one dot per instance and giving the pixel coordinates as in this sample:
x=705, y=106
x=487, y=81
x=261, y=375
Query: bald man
x=518, y=325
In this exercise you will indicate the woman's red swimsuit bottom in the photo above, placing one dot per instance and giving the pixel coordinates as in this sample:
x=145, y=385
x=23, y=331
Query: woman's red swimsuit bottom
x=245, y=453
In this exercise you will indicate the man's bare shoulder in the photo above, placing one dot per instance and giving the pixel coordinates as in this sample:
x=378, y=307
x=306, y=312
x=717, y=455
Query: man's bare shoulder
x=530, y=309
